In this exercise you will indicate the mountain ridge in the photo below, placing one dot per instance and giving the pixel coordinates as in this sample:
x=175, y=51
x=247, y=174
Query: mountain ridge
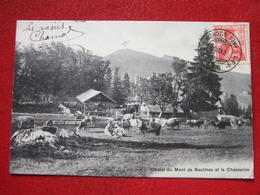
x=144, y=64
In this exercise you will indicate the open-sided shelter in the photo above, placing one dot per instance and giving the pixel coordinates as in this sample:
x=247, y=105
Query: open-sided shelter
x=94, y=96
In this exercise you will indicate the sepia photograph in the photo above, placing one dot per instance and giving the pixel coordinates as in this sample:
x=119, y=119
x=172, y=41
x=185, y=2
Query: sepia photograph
x=132, y=99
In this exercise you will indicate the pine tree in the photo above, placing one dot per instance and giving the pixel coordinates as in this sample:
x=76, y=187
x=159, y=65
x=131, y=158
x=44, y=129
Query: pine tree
x=248, y=112
x=201, y=87
x=126, y=86
x=231, y=105
x=142, y=90
x=108, y=81
x=117, y=89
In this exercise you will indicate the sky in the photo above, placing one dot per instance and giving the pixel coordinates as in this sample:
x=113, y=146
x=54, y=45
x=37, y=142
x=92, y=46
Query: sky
x=102, y=38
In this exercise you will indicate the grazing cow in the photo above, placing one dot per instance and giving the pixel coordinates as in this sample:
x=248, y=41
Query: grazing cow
x=152, y=127
x=230, y=120
x=194, y=122
x=172, y=123
x=221, y=124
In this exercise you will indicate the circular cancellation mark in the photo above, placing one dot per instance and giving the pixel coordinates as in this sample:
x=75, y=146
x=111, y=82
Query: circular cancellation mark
x=219, y=50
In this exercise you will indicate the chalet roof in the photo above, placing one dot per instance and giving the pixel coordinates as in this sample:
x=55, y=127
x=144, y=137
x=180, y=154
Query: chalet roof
x=94, y=95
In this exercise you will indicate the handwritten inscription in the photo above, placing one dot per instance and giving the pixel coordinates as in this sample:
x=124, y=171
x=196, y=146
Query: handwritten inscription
x=52, y=31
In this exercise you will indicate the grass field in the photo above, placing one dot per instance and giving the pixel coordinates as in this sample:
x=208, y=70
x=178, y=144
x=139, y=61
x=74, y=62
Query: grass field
x=139, y=155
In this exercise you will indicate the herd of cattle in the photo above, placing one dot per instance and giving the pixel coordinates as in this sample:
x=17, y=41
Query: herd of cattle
x=145, y=125
x=154, y=125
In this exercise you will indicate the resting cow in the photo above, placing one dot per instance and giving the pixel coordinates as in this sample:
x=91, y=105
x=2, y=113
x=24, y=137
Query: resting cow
x=115, y=129
x=109, y=129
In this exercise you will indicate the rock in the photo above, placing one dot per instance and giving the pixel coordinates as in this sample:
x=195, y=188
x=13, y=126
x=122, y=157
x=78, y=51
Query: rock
x=33, y=136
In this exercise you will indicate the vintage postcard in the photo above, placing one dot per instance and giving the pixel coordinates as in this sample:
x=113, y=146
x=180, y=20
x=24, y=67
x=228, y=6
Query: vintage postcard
x=132, y=99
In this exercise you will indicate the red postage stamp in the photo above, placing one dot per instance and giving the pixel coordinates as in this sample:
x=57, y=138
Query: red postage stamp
x=239, y=31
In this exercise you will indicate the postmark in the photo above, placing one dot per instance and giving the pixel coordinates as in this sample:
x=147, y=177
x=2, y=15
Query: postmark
x=239, y=30
x=219, y=50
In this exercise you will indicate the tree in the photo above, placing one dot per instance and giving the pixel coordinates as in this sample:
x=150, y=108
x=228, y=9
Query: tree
x=57, y=70
x=19, y=74
x=178, y=66
x=249, y=90
x=126, y=86
x=201, y=87
x=248, y=112
x=161, y=90
x=117, y=90
x=142, y=90
x=231, y=105
x=108, y=81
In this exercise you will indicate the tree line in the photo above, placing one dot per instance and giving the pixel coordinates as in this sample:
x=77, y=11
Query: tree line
x=60, y=71
x=231, y=106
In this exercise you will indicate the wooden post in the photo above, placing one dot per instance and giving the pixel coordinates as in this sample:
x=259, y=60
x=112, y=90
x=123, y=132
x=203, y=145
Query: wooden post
x=84, y=108
x=113, y=109
x=109, y=109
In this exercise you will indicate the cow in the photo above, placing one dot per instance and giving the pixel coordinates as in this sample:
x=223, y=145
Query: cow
x=172, y=123
x=206, y=123
x=153, y=127
x=128, y=116
x=126, y=124
x=109, y=129
x=195, y=122
x=118, y=116
x=221, y=124
x=244, y=122
x=82, y=126
x=115, y=129
x=92, y=121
